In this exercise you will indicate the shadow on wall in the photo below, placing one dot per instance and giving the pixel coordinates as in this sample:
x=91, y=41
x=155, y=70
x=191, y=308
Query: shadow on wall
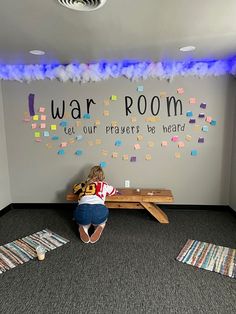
x=77, y=178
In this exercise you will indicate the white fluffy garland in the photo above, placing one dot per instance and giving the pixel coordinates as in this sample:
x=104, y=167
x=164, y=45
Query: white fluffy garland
x=134, y=71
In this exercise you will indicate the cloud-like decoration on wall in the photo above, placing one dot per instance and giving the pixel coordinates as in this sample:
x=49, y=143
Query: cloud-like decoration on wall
x=131, y=70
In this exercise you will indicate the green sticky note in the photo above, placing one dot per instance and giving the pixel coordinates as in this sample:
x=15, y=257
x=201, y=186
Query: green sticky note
x=37, y=134
x=113, y=97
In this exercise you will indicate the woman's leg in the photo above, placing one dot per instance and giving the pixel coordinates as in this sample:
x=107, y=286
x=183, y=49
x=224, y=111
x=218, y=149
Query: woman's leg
x=83, y=232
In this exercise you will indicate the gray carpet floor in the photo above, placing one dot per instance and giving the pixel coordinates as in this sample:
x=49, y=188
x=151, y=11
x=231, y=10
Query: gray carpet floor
x=131, y=269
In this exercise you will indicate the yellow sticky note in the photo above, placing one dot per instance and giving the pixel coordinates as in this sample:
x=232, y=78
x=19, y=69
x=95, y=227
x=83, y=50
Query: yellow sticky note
x=125, y=157
x=188, y=138
x=53, y=127
x=98, y=141
x=133, y=119
x=181, y=144
x=197, y=127
x=114, y=155
x=113, y=97
x=162, y=94
x=43, y=117
x=104, y=152
x=97, y=122
x=37, y=134
x=35, y=117
x=164, y=143
x=114, y=123
x=177, y=155
x=137, y=146
x=139, y=137
x=71, y=141
x=148, y=157
x=150, y=144
x=106, y=113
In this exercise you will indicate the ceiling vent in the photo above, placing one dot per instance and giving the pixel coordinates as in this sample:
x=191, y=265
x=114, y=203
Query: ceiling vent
x=83, y=5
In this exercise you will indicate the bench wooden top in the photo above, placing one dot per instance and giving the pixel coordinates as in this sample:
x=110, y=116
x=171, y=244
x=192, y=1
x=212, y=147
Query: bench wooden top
x=134, y=195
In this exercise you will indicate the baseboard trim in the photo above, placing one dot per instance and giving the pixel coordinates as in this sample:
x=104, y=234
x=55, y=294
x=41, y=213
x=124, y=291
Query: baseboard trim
x=5, y=210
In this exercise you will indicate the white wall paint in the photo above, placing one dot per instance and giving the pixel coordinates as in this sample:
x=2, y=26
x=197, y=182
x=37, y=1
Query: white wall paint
x=232, y=200
x=38, y=174
x=5, y=197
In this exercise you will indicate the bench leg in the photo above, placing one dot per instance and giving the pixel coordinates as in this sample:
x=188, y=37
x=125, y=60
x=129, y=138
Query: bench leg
x=156, y=212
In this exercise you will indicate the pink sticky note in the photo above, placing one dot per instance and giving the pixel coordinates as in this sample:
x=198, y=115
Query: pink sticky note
x=137, y=146
x=181, y=144
x=42, y=125
x=175, y=138
x=164, y=143
x=34, y=125
x=208, y=119
x=63, y=144
x=192, y=100
x=180, y=90
x=42, y=109
x=43, y=117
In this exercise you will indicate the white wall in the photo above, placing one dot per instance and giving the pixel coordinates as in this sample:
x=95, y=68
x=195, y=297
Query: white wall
x=38, y=174
x=5, y=198
x=232, y=200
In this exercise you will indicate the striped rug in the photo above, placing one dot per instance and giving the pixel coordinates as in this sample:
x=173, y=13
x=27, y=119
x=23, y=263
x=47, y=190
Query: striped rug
x=23, y=250
x=209, y=256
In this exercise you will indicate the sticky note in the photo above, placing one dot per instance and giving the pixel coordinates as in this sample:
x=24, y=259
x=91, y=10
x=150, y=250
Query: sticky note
x=208, y=119
x=104, y=152
x=201, y=140
x=78, y=124
x=103, y=164
x=79, y=137
x=98, y=141
x=26, y=119
x=114, y=155
x=162, y=94
x=46, y=133
x=203, y=105
x=150, y=144
x=61, y=152
x=213, y=122
x=113, y=97
x=175, y=138
x=177, y=155
x=180, y=90
x=189, y=114
x=90, y=143
x=188, y=138
x=41, y=109
x=139, y=137
x=37, y=134
x=133, y=158
x=197, y=127
x=43, y=126
x=71, y=141
x=192, y=100
x=86, y=116
x=53, y=127
x=148, y=157
x=181, y=144
x=63, y=144
x=192, y=120
x=194, y=152
x=34, y=125
x=114, y=123
x=49, y=145
x=78, y=152
x=35, y=117
x=38, y=140
x=133, y=119
x=43, y=117
x=97, y=122
x=201, y=115
x=152, y=119
x=140, y=88
x=164, y=143
x=106, y=102
x=106, y=113
x=63, y=124
x=137, y=146
x=125, y=157
x=205, y=128
x=55, y=138
x=118, y=143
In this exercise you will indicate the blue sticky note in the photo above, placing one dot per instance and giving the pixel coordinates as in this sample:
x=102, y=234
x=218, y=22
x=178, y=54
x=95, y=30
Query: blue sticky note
x=205, y=128
x=55, y=138
x=189, y=114
x=78, y=152
x=45, y=133
x=213, y=122
x=118, y=143
x=79, y=137
x=86, y=116
x=194, y=152
x=140, y=88
x=61, y=152
x=103, y=164
x=63, y=124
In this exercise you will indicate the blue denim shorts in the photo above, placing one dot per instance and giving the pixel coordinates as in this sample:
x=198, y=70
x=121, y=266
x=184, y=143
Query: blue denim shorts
x=86, y=214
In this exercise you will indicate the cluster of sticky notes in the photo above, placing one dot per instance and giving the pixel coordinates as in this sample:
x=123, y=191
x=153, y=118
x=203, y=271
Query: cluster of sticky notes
x=118, y=143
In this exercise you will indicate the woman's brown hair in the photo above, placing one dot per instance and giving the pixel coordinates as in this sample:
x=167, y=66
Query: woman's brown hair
x=96, y=174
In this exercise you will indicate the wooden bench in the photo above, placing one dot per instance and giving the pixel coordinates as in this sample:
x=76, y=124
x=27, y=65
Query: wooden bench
x=138, y=199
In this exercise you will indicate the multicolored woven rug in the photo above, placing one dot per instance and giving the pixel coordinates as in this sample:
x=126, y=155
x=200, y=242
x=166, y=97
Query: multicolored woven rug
x=209, y=256
x=23, y=250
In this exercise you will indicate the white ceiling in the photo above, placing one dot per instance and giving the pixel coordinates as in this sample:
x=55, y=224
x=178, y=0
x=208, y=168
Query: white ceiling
x=121, y=29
